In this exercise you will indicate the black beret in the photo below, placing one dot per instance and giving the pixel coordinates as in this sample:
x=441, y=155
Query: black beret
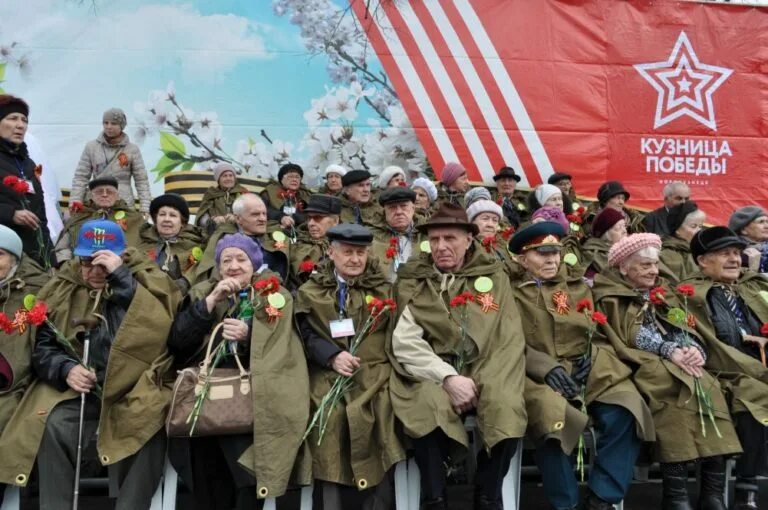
x=350, y=233
x=609, y=190
x=103, y=181
x=355, y=176
x=323, y=204
x=396, y=195
x=287, y=168
x=506, y=171
x=169, y=200
x=677, y=214
x=557, y=177
x=543, y=236
x=713, y=239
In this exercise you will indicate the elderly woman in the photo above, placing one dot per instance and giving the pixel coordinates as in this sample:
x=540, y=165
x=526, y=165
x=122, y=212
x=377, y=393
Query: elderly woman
x=751, y=223
x=549, y=195
x=453, y=184
x=264, y=341
x=391, y=177
x=170, y=241
x=333, y=185
x=19, y=276
x=487, y=215
x=216, y=206
x=684, y=221
x=608, y=228
x=29, y=222
x=112, y=154
x=666, y=356
x=287, y=197
x=426, y=195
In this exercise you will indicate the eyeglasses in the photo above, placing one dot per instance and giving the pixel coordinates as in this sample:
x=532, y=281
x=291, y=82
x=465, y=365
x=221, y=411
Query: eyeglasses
x=86, y=261
x=104, y=191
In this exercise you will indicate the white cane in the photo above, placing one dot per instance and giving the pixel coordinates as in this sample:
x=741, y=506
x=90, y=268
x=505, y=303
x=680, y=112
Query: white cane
x=89, y=325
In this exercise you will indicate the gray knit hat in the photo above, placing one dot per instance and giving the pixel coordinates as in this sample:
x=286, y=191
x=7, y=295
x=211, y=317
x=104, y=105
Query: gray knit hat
x=744, y=216
x=476, y=194
x=220, y=168
x=10, y=241
x=115, y=115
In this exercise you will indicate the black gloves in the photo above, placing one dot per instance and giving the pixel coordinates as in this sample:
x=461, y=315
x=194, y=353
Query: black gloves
x=559, y=380
x=581, y=368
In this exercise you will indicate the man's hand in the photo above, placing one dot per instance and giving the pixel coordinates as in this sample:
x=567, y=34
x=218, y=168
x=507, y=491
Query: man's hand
x=223, y=289
x=687, y=361
x=80, y=379
x=26, y=219
x=462, y=392
x=234, y=330
x=582, y=366
x=562, y=383
x=107, y=259
x=345, y=364
x=286, y=221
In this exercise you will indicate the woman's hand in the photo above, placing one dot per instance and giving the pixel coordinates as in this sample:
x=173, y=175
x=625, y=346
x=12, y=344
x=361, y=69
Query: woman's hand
x=234, y=330
x=222, y=291
x=681, y=358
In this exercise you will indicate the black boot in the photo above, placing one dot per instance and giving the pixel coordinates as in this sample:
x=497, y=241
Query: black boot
x=594, y=502
x=435, y=504
x=675, y=493
x=745, y=499
x=483, y=503
x=712, y=484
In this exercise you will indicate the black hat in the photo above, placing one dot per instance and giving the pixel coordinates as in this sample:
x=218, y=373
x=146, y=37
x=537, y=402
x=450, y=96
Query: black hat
x=169, y=200
x=506, y=171
x=713, y=239
x=102, y=181
x=287, y=168
x=396, y=195
x=355, y=176
x=557, y=177
x=543, y=236
x=677, y=214
x=11, y=104
x=609, y=190
x=449, y=215
x=323, y=204
x=350, y=233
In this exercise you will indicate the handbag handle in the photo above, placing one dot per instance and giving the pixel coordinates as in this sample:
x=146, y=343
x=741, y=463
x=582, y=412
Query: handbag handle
x=208, y=358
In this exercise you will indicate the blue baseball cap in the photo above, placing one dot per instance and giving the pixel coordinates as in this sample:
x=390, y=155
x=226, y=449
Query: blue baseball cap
x=96, y=235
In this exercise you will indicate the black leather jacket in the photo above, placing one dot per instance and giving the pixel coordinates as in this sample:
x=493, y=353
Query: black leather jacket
x=52, y=363
x=727, y=328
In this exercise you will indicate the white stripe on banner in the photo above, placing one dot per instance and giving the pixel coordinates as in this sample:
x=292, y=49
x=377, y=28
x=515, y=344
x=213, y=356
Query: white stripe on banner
x=508, y=90
x=449, y=92
x=476, y=86
x=403, y=61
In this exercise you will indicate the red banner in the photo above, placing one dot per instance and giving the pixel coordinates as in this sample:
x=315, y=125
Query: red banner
x=641, y=92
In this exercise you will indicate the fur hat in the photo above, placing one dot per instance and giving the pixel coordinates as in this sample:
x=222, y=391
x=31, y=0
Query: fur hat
x=482, y=206
x=387, y=174
x=335, y=169
x=11, y=104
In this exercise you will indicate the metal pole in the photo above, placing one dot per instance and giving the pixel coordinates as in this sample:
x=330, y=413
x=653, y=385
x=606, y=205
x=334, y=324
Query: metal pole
x=86, y=352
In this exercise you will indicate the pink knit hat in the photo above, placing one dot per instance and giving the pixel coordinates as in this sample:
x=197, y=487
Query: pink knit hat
x=625, y=248
x=555, y=214
x=451, y=172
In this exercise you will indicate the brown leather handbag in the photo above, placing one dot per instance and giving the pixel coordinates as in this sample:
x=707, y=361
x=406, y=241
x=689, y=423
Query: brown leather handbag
x=227, y=408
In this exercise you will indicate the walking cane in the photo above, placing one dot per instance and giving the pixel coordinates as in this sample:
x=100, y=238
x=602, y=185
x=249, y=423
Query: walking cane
x=89, y=325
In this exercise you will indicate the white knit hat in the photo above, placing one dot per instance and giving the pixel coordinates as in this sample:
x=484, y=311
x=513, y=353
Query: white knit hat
x=545, y=192
x=335, y=169
x=482, y=206
x=387, y=174
x=427, y=185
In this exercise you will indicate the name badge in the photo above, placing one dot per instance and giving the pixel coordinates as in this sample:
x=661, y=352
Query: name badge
x=30, y=187
x=289, y=210
x=342, y=327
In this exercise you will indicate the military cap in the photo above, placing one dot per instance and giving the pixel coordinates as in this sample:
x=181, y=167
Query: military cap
x=396, y=195
x=323, y=204
x=350, y=233
x=543, y=236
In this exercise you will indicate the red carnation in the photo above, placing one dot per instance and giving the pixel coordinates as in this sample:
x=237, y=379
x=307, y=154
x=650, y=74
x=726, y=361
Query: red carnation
x=38, y=314
x=391, y=253
x=393, y=241
x=691, y=321
x=599, y=318
x=390, y=303
x=657, y=295
x=10, y=181
x=462, y=299
x=584, y=304
x=506, y=234
x=267, y=286
x=307, y=266
x=581, y=210
x=686, y=290
x=75, y=206
x=21, y=187
x=489, y=243
x=6, y=324
x=764, y=329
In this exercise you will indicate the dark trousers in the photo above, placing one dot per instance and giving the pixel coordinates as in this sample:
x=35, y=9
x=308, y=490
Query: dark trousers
x=431, y=453
x=617, y=449
x=138, y=475
x=753, y=436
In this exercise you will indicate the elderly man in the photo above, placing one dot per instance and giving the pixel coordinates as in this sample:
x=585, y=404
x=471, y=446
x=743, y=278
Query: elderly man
x=132, y=303
x=513, y=204
x=730, y=312
x=565, y=363
x=251, y=219
x=563, y=181
x=322, y=213
x=457, y=349
x=105, y=204
x=675, y=193
x=751, y=223
x=357, y=200
x=216, y=206
x=398, y=239
x=286, y=198
x=360, y=444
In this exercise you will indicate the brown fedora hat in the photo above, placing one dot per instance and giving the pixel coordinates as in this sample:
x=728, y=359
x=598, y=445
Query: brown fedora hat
x=449, y=215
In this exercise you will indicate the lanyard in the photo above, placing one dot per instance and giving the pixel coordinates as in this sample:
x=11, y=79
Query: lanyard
x=20, y=167
x=342, y=299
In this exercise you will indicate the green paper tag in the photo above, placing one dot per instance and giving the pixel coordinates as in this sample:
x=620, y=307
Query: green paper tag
x=277, y=300
x=278, y=236
x=571, y=259
x=368, y=299
x=425, y=248
x=119, y=215
x=29, y=301
x=575, y=227
x=576, y=206
x=483, y=284
x=520, y=206
x=197, y=253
